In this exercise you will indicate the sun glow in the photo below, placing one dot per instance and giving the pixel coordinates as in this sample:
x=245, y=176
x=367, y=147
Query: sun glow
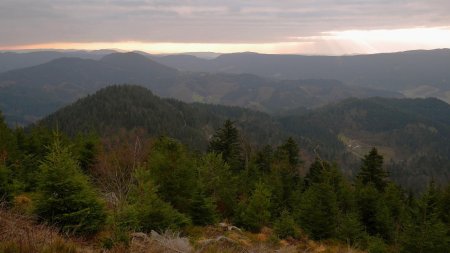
x=327, y=43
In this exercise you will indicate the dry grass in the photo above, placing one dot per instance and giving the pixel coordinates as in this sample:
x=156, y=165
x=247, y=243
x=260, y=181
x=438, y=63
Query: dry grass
x=19, y=234
x=168, y=242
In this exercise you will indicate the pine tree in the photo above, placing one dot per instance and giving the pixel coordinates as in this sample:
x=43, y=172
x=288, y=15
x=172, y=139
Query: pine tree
x=226, y=141
x=290, y=151
x=173, y=170
x=255, y=213
x=218, y=182
x=146, y=211
x=6, y=184
x=350, y=229
x=315, y=173
x=426, y=232
x=374, y=212
x=372, y=171
x=65, y=197
x=203, y=209
x=317, y=211
x=285, y=226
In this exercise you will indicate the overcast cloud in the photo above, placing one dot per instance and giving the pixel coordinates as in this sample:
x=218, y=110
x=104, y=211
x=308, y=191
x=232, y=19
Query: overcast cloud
x=24, y=22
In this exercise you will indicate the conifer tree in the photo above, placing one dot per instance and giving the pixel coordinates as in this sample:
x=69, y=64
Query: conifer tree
x=426, y=232
x=6, y=185
x=285, y=226
x=218, y=182
x=255, y=213
x=146, y=211
x=374, y=212
x=226, y=141
x=65, y=197
x=372, y=171
x=173, y=170
x=317, y=211
x=203, y=209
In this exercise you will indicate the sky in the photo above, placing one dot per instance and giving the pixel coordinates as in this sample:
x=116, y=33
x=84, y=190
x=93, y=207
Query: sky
x=324, y=27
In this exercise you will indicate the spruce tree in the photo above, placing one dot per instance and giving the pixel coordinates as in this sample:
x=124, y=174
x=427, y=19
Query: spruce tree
x=6, y=184
x=317, y=211
x=285, y=226
x=372, y=171
x=226, y=141
x=255, y=213
x=145, y=210
x=218, y=182
x=203, y=209
x=426, y=232
x=374, y=212
x=65, y=197
x=173, y=170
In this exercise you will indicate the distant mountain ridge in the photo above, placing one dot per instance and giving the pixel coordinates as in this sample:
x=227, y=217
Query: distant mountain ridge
x=420, y=73
x=17, y=60
x=31, y=93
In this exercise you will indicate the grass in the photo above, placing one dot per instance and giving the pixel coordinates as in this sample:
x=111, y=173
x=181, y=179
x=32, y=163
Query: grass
x=21, y=234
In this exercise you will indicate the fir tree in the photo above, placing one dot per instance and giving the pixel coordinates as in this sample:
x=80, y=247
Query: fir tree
x=285, y=226
x=255, y=213
x=146, y=211
x=426, y=232
x=203, y=209
x=372, y=171
x=218, y=182
x=173, y=171
x=317, y=211
x=226, y=141
x=65, y=197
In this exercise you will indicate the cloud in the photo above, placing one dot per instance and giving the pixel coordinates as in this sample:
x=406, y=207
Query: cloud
x=206, y=21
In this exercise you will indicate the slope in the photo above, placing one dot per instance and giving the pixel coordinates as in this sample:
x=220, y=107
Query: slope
x=414, y=73
x=132, y=107
x=31, y=93
x=412, y=134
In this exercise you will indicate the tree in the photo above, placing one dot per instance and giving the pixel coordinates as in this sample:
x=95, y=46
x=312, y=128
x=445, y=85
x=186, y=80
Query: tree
x=317, y=211
x=226, y=141
x=285, y=226
x=255, y=213
x=173, y=170
x=373, y=211
x=290, y=151
x=146, y=211
x=372, y=171
x=218, y=182
x=6, y=184
x=315, y=173
x=426, y=232
x=285, y=177
x=65, y=197
x=350, y=229
x=203, y=209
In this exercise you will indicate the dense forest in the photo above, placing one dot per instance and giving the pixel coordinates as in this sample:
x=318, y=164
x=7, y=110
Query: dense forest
x=104, y=189
x=412, y=134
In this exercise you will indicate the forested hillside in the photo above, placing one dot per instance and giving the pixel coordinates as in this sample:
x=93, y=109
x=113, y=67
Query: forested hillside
x=29, y=94
x=421, y=73
x=109, y=191
x=134, y=107
x=412, y=134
